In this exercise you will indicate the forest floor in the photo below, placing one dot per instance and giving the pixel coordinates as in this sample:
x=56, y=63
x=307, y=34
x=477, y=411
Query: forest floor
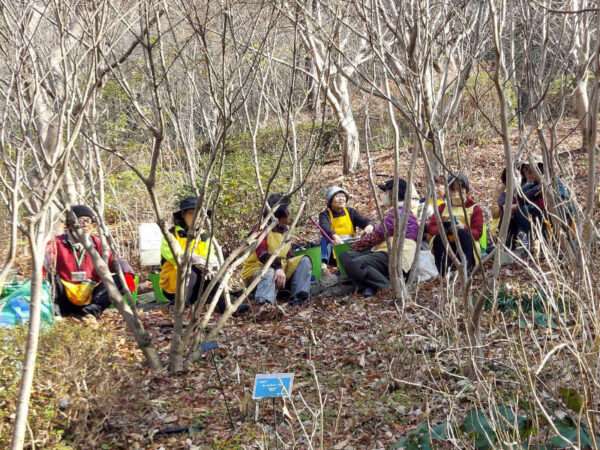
x=366, y=371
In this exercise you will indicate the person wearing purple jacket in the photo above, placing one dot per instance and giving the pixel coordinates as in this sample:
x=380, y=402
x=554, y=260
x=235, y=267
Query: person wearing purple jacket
x=367, y=263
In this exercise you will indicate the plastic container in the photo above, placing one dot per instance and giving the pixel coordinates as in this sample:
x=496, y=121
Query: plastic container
x=134, y=294
x=338, y=251
x=150, y=238
x=314, y=253
x=159, y=296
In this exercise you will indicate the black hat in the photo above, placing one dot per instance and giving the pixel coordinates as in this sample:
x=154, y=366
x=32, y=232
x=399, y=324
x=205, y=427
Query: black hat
x=188, y=203
x=83, y=211
x=461, y=179
x=388, y=186
x=283, y=201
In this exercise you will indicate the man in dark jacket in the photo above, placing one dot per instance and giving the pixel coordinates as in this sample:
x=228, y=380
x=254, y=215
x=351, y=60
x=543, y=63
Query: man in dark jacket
x=78, y=289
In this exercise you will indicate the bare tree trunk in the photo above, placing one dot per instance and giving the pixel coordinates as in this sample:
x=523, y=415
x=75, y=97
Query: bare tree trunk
x=133, y=322
x=499, y=83
x=589, y=143
x=339, y=98
x=14, y=222
x=582, y=107
x=37, y=245
x=350, y=142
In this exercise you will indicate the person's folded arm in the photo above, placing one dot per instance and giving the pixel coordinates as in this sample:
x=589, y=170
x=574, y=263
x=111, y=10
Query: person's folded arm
x=433, y=226
x=376, y=237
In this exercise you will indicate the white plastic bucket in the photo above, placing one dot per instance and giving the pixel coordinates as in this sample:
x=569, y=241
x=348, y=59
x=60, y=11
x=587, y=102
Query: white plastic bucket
x=150, y=240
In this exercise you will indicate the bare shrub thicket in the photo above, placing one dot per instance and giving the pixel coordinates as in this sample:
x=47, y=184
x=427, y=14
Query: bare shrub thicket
x=128, y=106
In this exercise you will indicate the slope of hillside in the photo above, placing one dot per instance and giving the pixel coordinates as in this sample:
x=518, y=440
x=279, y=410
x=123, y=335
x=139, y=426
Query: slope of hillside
x=366, y=371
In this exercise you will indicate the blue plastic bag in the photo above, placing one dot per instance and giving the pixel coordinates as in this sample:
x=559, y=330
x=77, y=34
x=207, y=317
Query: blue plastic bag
x=15, y=307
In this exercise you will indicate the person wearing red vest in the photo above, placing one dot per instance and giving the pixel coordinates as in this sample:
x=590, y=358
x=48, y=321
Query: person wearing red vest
x=78, y=289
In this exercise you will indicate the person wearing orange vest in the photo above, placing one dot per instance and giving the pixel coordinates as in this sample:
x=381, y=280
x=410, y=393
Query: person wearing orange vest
x=286, y=272
x=204, y=253
x=469, y=221
x=78, y=289
x=339, y=222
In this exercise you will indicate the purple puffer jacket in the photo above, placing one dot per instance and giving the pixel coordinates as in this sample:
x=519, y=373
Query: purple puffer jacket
x=378, y=234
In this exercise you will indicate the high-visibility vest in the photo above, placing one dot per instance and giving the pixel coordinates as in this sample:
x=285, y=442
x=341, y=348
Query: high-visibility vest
x=168, y=271
x=252, y=265
x=463, y=216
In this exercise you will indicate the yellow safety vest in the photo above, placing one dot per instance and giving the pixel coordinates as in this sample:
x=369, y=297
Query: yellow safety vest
x=252, y=265
x=168, y=271
x=463, y=216
x=342, y=225
x=79, y=294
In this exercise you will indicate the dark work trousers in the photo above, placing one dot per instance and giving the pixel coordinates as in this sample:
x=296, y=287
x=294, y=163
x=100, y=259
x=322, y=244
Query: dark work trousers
x=522, y=221
x=196, y=287
x=367, y=268
x=99, y=297
x=518, y=222
x=440, y=252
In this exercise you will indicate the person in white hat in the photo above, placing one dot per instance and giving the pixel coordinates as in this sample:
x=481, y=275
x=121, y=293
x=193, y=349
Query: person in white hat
x=339, y=222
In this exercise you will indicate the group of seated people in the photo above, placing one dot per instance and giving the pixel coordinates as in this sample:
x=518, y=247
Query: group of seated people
x=528, y=208
x=79, y=289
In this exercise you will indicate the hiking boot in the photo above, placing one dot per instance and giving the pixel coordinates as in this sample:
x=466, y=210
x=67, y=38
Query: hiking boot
x=368, y=292
x=92, y=310
x=242, y=309
x=299, y=299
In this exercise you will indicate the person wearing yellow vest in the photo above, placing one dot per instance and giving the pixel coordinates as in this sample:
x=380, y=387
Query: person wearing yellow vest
x=468, y=218
x=339, y=222
x=206, y=258
x=286, y=272
x=367, y=263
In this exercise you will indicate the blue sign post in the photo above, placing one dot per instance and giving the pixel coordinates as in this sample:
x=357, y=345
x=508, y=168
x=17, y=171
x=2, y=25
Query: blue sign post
x=273, y=385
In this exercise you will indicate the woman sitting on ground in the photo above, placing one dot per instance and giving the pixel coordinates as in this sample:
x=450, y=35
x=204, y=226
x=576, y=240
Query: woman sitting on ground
x=468, y=220
x=287, y=272
x=205, y=258
x=78, y=288
x=339, y=222
x=367, y=263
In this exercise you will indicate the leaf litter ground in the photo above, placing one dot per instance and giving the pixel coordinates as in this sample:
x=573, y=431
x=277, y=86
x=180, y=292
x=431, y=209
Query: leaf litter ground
x=359, y=350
